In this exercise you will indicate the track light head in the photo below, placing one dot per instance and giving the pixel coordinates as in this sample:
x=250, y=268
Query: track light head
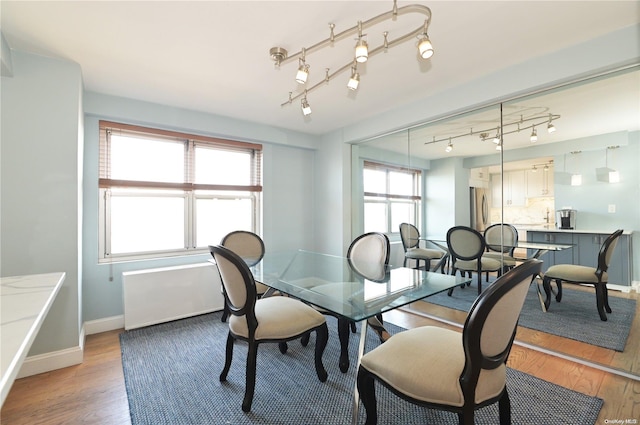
x=306, y=109
x=449, y=147
x=354, y=81
x=362, y=51
x=534, y=135
x=550, y=127
x=425, y=48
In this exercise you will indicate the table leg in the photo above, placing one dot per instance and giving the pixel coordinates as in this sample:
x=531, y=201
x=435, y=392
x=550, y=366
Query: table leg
x=356, y=394
x=344, y=329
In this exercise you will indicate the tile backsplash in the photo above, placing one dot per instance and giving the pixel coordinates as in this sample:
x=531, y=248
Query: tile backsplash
x=536, y=211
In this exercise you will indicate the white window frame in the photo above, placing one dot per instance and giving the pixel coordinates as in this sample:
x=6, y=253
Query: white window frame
x=190, y=190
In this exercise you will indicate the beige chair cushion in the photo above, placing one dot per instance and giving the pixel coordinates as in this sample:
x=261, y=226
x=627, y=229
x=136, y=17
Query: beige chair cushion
x=278, y=318
x=488, y=264
x=574, y=273
x=421, y=253
x=508, y=260
x=426, y=363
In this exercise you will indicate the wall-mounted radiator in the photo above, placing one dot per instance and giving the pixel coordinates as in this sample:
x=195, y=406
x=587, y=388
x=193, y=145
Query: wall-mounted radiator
x=160, y=295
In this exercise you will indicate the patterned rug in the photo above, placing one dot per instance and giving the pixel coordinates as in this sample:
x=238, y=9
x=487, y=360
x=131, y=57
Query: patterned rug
x=171, y=376
x=576, y=317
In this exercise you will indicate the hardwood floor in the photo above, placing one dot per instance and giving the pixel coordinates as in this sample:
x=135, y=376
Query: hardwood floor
x=94, y=393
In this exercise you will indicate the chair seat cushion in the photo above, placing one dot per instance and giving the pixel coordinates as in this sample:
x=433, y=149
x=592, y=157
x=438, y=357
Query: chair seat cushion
x=575, y=273
x=278, y=318
x=509, y=261
x=426, y=363
x=488, y=264
x=422, y=253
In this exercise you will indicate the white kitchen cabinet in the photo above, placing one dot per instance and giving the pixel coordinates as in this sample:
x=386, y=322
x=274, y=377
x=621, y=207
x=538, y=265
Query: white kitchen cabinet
x=514, y=189
x=539, y=183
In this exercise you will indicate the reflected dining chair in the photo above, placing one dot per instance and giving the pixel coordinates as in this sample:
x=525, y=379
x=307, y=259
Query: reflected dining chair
x=466, y=248
x=250, y=247
x=596, y=276
x=410, y=237
x=270, y=319
x=501, y=239
x=442, y=369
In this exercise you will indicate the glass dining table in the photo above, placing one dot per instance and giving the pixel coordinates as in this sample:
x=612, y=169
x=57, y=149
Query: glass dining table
x=353, y=292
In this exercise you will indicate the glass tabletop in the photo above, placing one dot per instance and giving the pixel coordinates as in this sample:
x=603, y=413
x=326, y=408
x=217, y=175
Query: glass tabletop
x=356, y=290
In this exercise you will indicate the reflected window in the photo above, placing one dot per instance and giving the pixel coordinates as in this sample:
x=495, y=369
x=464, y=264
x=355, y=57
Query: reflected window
x=391, y=196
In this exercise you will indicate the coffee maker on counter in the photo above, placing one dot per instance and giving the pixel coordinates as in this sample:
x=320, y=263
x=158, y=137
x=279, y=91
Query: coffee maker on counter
x=566, y=218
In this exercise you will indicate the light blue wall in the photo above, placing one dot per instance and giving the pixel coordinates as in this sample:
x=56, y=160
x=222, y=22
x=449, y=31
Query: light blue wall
x=288, y=197
x=42, y=106
x=40, y=197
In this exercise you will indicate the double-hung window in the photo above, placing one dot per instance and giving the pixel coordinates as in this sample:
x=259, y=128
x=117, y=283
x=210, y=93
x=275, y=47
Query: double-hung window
x=392, y=195
x=165, y=193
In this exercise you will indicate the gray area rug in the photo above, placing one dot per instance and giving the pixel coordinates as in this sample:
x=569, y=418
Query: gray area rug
x=576, y=317
x=171, y=376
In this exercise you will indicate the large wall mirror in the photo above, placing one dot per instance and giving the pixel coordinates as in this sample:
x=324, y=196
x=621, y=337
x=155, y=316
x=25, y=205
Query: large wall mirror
x=574, y=147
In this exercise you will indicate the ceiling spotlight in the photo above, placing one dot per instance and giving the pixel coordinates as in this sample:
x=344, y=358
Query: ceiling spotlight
x=354, y=80
x=546, y=167
x=425, y=48
x=362, y=48
x=499, y=147
x=306, y=109
x=303, y=70
x=534, y=169
x=534, y=135
x=496, y=139
x=550, y=127
x=449, y=147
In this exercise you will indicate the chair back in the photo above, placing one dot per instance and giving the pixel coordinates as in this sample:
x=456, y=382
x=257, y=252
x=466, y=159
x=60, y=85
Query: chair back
x=368, y=255
x=237, y=281
x=465, y=243
x=247, y=245
x=410, y=236
x=491, y=324
x=501, y=237
x=606, y=251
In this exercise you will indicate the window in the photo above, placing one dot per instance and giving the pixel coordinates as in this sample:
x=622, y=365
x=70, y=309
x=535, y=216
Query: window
x=166, y=193
x=391, y=196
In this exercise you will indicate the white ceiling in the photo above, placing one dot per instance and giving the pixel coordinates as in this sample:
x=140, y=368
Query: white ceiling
x=213, y=56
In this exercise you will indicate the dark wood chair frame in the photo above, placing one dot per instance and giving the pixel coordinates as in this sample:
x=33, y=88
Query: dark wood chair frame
x=504, y=250
x=248, y=310
x=406, y=244
x=225, y=312
x=457, y=256
x=475, y=359
x=602, y=292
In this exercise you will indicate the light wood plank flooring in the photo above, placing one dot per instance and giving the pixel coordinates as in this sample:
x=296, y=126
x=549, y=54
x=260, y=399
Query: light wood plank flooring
x=94, y=393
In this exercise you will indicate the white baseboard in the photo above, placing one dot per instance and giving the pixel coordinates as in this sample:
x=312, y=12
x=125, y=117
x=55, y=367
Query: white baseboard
x=47, y=362
x=103, y=325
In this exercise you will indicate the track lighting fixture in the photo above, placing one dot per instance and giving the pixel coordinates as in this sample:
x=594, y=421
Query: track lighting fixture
x=507, y=128
x=303, y=70
x=354, y=81
x=551, y=128
x=306, y=109
x=363, y=51
x=606, y=174
x=534, y=169
x=449, y=147
x=362, y=48
x=424, y=44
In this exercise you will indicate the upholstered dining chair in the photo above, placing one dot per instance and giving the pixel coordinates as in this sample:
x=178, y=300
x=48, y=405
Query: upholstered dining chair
x=250, y=247
x=410, y=237
x=270, y=319
x=596, y=276
x=442, y=369
x=501, y=239
x=466, y=248
x=368, y=256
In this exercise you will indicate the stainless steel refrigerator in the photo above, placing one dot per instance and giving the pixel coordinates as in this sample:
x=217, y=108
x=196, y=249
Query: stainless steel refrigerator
x=479, y=202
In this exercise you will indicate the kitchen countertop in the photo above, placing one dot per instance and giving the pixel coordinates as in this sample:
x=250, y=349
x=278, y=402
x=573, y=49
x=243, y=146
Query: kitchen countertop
x=24, y=303
x=552, y=229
